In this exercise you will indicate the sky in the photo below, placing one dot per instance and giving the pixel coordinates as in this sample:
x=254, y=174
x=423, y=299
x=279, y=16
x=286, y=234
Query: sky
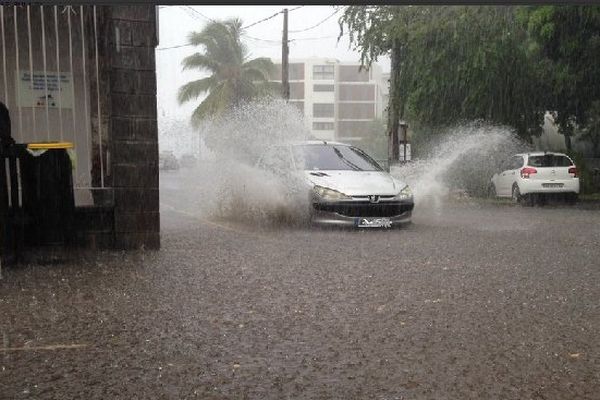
x=262, y=39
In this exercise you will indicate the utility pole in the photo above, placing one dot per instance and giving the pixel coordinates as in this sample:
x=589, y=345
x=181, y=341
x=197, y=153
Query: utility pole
x=285, y=52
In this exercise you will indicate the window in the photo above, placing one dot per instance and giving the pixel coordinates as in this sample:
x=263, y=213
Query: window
x=297, y=90
x=516, y=162
x=549, y=160
x=357, y=92
x=296, y=72
x=351, y=73
x=323, y=88
x=323, y=126
x=353, y=128
x=323, y=110
x=323, y=72
x=356, y=110
x=333, y=158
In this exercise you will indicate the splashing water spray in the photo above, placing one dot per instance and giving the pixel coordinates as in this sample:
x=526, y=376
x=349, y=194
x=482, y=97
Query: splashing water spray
x=227, y=184
x=462, y=160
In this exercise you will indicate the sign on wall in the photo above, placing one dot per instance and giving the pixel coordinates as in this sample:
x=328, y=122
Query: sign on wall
x=401, y=153
x=49, y=88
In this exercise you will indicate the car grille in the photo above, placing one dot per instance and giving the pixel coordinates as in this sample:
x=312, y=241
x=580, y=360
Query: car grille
x=359, y=209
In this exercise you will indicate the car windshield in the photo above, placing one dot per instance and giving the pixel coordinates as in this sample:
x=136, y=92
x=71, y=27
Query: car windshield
x=549, y=160
x=333, y=157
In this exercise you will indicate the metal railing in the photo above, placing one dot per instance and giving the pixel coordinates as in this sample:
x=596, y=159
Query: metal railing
x=50, y=59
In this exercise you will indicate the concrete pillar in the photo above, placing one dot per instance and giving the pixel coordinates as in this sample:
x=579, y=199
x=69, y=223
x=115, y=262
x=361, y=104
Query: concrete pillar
x=131, y=41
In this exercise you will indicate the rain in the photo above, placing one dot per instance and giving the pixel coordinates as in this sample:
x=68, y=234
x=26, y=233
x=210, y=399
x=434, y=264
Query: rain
x=299, y=202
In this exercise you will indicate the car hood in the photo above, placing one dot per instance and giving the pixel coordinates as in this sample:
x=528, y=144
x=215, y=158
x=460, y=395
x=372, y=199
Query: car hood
x=356, y=183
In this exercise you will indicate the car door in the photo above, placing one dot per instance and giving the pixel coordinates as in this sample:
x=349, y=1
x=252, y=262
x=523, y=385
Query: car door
x=511, y=175
x=503, y=178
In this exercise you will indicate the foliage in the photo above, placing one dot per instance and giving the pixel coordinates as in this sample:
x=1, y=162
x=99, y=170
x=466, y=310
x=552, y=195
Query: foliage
x=591, y=132
x=507, y=65
x=568, y=38
x=456, y=62
x=233, y=78
x=586, y=180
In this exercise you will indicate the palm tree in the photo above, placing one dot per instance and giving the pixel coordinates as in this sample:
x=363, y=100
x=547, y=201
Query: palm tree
x=233, y=78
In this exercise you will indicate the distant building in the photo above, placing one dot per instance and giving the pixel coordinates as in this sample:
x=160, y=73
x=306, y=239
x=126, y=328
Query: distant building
x=338, y=100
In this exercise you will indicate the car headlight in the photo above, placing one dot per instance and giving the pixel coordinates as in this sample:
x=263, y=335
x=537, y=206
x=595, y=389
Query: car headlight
x=405, y=194
x=329, y=194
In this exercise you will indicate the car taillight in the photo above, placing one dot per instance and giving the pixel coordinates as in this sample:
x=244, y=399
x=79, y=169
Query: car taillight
x=526, y=172
x=573, y=172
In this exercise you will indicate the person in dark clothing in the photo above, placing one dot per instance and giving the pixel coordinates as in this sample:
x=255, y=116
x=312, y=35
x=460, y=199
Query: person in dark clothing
x=6, y=140
x=5, y=132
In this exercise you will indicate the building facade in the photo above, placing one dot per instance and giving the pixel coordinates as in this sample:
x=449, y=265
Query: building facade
x=338, y=99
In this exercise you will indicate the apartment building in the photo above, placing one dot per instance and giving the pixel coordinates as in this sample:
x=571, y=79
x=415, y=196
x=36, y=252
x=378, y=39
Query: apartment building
x=338, y=100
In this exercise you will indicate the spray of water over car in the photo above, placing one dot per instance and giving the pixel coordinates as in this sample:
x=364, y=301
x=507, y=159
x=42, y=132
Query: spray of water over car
x=228, y=184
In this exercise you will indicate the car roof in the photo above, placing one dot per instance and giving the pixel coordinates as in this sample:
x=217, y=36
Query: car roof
x=322, y=142
x=540, y=153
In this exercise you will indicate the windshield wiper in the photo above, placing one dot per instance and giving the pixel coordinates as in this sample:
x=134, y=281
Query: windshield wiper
x=346, y=161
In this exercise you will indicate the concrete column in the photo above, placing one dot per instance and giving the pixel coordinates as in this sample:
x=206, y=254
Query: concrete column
x=133, y=125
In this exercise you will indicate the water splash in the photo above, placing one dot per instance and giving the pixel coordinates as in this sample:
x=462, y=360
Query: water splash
x=461, y=160
x=226, y=184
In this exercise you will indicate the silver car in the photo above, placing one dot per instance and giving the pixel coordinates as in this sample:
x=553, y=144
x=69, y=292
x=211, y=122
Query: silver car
x=345, y=186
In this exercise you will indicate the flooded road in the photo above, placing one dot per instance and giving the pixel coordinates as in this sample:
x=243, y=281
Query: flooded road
x=473, y=300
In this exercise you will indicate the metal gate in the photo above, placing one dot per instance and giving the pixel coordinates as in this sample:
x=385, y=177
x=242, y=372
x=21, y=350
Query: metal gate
x=51, y=81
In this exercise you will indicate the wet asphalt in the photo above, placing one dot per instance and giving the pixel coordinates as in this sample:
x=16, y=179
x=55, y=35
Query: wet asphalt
x=472, y=301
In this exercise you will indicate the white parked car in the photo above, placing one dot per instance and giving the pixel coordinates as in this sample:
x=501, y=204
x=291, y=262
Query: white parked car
x=524, y=177
x=345, y=186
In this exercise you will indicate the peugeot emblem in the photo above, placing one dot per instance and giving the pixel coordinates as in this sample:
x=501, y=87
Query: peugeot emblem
x=373, y=199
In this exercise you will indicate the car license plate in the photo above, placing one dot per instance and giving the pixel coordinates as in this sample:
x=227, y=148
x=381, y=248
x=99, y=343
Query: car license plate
x=373, y=223
x=552, y=185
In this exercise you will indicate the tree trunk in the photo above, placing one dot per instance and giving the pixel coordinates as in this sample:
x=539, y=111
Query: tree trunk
x=394, y=104
x=568, y=141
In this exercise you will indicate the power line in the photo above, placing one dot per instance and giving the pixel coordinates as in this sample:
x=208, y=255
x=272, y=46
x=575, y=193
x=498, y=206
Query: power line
x=318, y=23
x=314, y=38
x=261, y=40
x=199, y=13
x=269, y=17
x=174, y=47
x=262, y=20
x=272, y=41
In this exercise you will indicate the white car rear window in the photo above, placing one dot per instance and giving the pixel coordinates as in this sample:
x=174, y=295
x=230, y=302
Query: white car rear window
x=549, y=160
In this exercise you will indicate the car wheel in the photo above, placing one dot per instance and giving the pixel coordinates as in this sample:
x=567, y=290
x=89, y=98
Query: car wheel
x=516, y=194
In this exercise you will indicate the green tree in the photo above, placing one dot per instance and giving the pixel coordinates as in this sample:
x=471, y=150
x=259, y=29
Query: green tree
x=591, y=132
x=568, y=38
x=233, y=77
x=452, y=63
x=378, y=30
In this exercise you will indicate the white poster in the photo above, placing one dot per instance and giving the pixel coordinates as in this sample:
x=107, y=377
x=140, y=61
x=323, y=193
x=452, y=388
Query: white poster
x=45, y=88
